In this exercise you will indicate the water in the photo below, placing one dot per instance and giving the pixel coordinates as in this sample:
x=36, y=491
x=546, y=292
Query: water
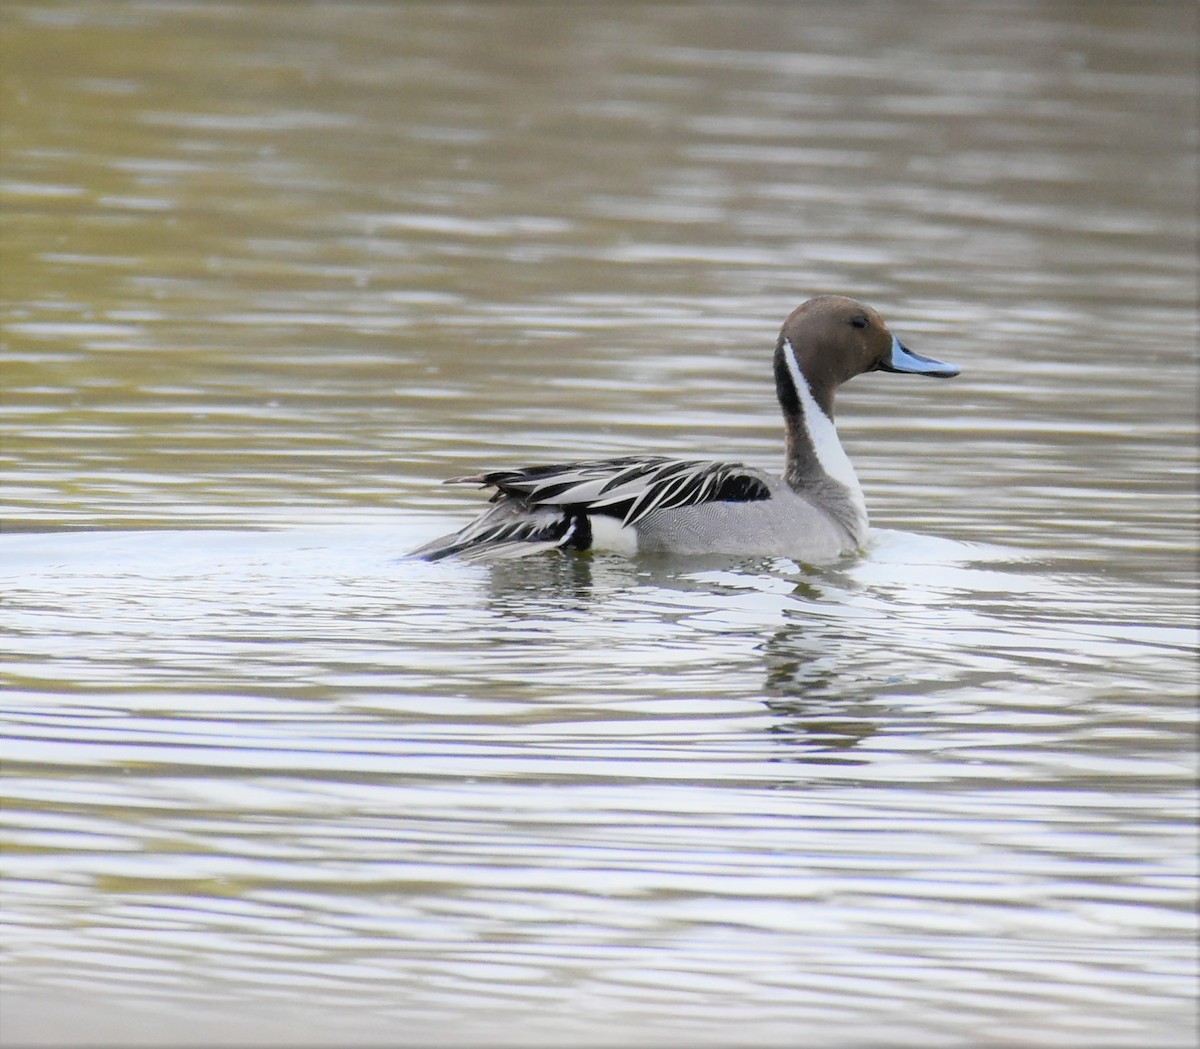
x=270, y=273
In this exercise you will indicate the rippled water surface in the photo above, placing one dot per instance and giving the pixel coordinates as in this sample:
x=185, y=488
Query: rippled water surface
x=271, y=271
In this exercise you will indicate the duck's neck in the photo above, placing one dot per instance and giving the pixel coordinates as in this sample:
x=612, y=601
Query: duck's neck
x=817, y=465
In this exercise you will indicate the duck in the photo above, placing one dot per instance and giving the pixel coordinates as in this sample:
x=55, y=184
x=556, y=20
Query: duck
x=814, y=512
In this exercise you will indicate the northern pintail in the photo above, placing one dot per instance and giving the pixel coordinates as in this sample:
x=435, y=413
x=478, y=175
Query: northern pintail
x=814, y=512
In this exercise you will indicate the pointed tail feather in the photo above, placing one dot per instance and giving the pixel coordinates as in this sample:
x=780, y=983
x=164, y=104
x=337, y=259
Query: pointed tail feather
x=509, y=530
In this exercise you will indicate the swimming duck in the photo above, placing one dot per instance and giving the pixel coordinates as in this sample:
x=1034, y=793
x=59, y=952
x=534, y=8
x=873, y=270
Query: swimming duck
x=814, y=512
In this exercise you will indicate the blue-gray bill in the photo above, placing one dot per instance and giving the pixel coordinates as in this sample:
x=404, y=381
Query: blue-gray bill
x=902, y=359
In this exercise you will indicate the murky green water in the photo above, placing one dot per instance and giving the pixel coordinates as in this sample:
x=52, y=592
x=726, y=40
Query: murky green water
x=270, y=272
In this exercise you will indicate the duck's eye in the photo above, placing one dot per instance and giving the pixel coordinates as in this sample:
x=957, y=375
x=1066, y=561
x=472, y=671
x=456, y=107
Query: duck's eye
x=859, y=322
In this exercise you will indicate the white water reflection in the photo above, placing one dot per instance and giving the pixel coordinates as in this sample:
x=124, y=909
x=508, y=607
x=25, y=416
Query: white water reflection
x=290, y=763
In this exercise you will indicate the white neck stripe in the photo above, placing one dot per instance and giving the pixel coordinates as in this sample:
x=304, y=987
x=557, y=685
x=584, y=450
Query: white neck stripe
x=822, y=434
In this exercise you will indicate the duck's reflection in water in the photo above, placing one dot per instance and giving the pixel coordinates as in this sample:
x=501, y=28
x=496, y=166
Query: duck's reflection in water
x=822, y=674
x=821, y=712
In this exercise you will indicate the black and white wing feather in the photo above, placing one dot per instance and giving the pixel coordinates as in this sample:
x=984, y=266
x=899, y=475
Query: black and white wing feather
x=628, y=488
x=544, y=507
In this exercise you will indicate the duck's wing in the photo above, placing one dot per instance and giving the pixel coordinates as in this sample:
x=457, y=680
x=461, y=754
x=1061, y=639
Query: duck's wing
x=627, y=488
x=547, y=507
